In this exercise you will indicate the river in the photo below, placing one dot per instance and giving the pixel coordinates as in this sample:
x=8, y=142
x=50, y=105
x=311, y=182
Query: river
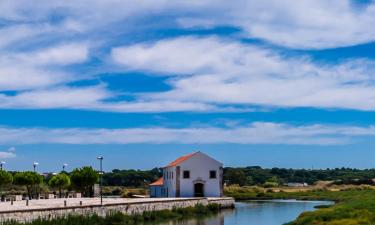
x=275, y=212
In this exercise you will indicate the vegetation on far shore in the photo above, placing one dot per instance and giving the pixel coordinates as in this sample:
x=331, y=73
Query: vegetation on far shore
x=354, y=205
x=135, y=182
x=199, y=211
x=251, y=175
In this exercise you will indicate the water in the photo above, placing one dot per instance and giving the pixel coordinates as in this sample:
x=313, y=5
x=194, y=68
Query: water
x=275, y=212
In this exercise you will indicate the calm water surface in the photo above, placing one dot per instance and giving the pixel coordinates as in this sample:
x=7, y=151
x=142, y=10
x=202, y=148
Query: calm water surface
x=274, y=212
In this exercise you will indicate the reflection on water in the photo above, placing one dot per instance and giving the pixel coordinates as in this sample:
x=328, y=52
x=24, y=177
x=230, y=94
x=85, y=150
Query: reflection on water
x=275, y=212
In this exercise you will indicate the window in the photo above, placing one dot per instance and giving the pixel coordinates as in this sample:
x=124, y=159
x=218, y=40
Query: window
x=186, y=174
x=213, y=174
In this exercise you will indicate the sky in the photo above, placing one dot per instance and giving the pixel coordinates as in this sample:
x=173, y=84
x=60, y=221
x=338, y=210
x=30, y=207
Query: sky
x=249, y=82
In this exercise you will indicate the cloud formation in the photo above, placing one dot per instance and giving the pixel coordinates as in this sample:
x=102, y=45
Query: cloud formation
x=214, y=70
x=307, y=24
x=254, y=133
x=206, y=74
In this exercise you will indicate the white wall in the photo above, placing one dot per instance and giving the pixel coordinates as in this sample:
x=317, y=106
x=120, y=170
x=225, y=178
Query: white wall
x=199, y=166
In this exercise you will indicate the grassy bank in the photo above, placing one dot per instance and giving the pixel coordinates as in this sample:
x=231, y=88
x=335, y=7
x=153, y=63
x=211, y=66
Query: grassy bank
x=353, y=206
x=122, y=219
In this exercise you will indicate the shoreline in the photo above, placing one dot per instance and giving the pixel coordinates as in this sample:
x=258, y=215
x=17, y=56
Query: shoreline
x=351, y=206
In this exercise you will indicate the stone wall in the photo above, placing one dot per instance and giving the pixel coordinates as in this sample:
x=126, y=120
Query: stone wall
x=127, y=208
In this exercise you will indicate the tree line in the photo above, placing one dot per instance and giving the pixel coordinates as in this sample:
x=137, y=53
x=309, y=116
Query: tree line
x=252, y=175
x=256, y=175
x=80, y=180
x=83, y=179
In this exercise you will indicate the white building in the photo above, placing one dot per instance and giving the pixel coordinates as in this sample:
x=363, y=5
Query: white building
x=193, y=175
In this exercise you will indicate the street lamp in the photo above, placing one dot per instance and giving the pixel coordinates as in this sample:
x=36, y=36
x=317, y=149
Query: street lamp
x=1, y=165
x=64, y=165
x=100, y=158
x=34, y=165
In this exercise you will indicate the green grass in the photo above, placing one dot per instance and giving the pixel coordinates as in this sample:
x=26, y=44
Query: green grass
x=353, y=207
x=122, y=219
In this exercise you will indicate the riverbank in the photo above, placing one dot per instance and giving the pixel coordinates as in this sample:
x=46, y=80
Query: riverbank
x=51, y=209
x=353, y=207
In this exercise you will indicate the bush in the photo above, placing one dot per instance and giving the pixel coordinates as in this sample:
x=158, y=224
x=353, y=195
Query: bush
x=270, y=184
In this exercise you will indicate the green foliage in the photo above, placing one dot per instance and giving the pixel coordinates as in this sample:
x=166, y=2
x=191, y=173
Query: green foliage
x=5, y=178
x=355, y=207
x=235, y=176
x=131, y=178
x=60, y=181
x=28, y=179
x=256, y=175
x=269, y=184
x=83, y=180
x=246, y=176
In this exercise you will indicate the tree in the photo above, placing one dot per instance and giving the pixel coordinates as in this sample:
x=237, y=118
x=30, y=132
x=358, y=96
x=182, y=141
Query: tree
x=28, y=179
x=235, y=176
x=131, y=178
x=83, y=180
x=60, y=181
x=5, y=179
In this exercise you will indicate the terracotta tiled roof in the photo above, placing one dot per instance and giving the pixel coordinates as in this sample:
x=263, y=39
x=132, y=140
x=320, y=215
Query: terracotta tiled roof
x=159, y=182
x=181, y=159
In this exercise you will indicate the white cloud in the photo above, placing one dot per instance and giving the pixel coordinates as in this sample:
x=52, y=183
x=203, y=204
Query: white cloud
x=63, y=54
x=20, y=77
x=96, y=98
x=7, y=155
x=315, y=24
x=255, y=133
x=10, y=153
x=36, y=69
x=17, y=33
x=306, y=24
x=227, y=72
x=174, y=56
x=206, y=73
x=59, y=97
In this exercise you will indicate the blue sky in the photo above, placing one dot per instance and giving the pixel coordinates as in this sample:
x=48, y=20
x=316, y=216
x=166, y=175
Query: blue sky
x=275, y=84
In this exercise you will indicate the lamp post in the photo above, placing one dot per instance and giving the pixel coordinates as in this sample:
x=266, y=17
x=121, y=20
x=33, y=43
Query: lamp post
x=64, y=166
x=1, y=165
x=34, y=165
x=100, y=158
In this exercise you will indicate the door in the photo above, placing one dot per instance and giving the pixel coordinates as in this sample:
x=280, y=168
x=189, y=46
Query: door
x=198, y=190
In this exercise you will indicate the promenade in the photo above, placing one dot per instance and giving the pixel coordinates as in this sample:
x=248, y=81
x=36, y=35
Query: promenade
x=54, y=208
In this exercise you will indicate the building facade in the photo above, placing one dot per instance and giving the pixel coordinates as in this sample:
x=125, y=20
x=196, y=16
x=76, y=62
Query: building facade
x=193, y=175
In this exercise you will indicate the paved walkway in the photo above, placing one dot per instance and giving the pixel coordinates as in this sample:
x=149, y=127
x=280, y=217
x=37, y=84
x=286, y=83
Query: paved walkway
x=59, y=203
